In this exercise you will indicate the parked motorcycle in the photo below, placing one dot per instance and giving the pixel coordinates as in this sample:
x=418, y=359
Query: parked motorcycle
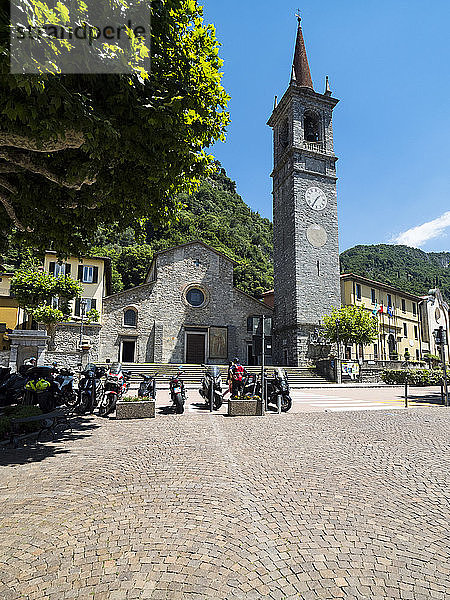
x=147, y=389
x=116, y=386
x=41, y=388
x=211, y=389
x=12, y=388
x=65, y=392
x=177, y=392
x=278, y=387
x=88, y=388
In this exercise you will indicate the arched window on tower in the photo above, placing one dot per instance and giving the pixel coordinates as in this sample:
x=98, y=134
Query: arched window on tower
x=312, y=127
x=130, y=317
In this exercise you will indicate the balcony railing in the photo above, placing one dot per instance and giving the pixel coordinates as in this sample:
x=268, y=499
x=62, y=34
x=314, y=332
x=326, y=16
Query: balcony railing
x=314, y=147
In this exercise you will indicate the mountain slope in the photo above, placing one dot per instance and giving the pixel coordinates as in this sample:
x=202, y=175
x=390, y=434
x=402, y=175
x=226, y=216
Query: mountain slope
x=410, y=269
x=216, y=215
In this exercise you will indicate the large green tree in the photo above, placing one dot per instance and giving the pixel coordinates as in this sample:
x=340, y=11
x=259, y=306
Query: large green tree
x=79, y=151
x=351, y=325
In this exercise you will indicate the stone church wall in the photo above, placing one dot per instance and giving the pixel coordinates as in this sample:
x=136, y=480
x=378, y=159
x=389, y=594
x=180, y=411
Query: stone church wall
x=163, y=313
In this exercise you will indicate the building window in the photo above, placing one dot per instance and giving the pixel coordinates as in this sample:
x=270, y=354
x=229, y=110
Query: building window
x=88, y=274
x=58, y=269
x=389, y=300
x=414, y=305
x=403, y=305
x=130, y=318
x=375, y=350
x=405, y=329
x=195, y=297
x=416, y=332
x=312, y=127
x=358, y=291
x=372, y=292
x=86, y=303
x=417, y=355
x=348, y=353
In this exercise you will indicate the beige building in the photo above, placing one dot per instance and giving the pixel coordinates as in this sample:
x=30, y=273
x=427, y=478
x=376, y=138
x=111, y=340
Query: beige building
x=94, y=274
x=398, y=314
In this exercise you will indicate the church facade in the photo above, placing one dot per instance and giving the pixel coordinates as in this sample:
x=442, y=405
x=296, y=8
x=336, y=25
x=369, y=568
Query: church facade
x=306, y=249
x=187, y=311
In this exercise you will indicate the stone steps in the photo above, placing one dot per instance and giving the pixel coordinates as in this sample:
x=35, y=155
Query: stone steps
x=193, y=374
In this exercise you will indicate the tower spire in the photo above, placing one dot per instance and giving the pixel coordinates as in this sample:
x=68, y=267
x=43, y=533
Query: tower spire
x=301, y=75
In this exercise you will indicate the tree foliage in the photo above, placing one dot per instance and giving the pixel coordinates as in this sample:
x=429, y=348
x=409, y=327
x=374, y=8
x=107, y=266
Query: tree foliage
x=410, y=269
x=44, y=297
x=351, y=325
x=81, y=151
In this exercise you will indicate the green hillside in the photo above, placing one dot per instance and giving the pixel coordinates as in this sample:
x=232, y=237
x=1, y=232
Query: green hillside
x=216, y=215
x=410, y=269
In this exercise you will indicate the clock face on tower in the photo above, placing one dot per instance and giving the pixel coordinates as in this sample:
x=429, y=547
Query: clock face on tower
x=316, y=198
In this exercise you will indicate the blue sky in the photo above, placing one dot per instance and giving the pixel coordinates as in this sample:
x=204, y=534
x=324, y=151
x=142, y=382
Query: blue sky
x=388, y=62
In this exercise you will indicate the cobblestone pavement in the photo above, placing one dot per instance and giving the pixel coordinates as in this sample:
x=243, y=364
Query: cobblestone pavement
x=307, y=506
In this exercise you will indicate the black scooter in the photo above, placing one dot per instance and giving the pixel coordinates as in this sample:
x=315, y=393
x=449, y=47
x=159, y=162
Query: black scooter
x=211, y=389
x=12, y=386
x=177, y=392
x=88, y=389
x=147, y=389
x=278, y=390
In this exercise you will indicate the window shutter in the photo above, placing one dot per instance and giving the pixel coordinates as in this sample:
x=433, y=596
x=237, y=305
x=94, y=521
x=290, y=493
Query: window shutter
x=93, y=303
x=68, y=269
x=52, y=268
x=95, y=275
x=80, y=272
x=78, y=307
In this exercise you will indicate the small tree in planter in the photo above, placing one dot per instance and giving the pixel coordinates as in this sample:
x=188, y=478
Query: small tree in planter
x=45, y=298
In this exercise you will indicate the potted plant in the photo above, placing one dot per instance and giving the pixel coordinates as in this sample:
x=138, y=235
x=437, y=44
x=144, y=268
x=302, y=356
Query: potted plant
x=131, y=407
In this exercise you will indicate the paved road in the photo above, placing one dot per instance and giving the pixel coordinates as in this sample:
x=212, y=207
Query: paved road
x=302, y=506
x=330, y=399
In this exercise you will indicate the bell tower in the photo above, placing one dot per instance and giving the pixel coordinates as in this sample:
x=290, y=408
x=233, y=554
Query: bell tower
x=306, y=250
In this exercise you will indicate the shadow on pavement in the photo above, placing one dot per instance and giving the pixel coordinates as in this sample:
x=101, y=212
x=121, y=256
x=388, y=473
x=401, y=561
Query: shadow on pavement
x=30, y=450
x=429, y=399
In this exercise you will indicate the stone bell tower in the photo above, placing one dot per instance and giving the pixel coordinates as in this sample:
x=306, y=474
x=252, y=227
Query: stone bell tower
x=306, y=250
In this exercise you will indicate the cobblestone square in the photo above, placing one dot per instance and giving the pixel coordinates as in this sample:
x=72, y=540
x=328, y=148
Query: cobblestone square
x=309, y=505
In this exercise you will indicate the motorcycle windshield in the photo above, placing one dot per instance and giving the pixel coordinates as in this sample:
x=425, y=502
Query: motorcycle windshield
x=115, y=369
x=212, y=370
x=279, y=372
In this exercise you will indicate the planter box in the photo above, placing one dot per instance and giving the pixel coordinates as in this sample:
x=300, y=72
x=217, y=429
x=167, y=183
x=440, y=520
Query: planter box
x=135, y=410
x=244, y=408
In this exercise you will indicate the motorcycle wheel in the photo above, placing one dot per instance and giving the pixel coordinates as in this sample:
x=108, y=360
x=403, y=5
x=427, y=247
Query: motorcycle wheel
x=83, y=404
x=69, y=398
x=218, y=401
x=179, y=404
x=108, y=405
x=286, y=403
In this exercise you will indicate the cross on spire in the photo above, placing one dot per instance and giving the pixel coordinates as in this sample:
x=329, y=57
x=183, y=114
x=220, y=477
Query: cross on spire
x=299, y=18
x=301, y=75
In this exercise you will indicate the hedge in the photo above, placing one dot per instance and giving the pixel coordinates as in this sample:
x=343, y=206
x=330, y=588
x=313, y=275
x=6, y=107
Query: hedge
x=18, y=412
x=416, y=377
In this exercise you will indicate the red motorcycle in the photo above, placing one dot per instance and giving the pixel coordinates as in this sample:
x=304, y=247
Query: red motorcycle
x=116, y=386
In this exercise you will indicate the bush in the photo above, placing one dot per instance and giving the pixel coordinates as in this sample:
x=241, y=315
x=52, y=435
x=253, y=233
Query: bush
x=19, y=412
x=416, y=377
x=136, y=399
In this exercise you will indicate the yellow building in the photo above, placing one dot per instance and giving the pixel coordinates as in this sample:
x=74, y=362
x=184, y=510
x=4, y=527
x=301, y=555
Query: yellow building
x=93, y=273
x=398, y=314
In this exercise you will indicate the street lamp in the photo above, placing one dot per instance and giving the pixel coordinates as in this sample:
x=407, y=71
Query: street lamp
x=83, y=311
